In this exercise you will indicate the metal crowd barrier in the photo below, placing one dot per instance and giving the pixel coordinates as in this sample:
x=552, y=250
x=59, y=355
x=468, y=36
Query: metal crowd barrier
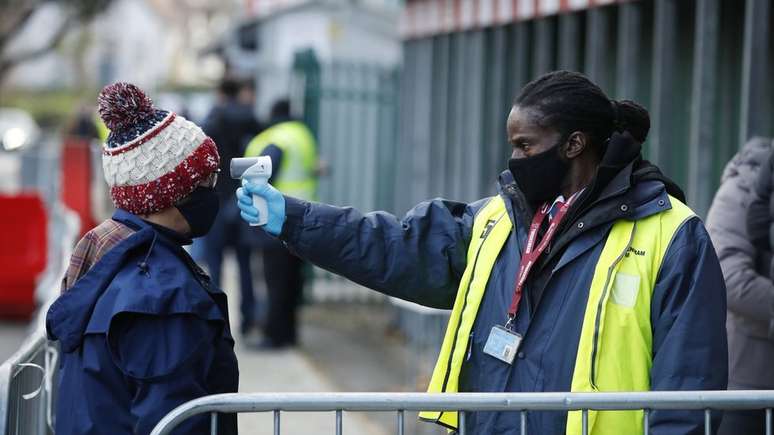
x=27, y=378
x=707, y=401
x=28, y=389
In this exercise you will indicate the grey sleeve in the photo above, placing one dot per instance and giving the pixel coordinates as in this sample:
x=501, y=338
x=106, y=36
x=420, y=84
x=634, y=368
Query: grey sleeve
x=750, y=294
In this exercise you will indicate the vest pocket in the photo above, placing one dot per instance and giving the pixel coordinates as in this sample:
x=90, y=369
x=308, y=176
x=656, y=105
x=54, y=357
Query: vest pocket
x=625, y=289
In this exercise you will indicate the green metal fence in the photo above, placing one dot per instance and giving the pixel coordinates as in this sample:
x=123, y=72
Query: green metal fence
x=352, y=107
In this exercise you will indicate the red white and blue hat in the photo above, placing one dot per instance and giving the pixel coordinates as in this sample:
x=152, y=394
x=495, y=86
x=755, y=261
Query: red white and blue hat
x=152, y=158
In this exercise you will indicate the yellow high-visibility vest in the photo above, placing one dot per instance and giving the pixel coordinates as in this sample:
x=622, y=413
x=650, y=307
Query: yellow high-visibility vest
x=297, y=176
x=616, y=344
x=102, y=131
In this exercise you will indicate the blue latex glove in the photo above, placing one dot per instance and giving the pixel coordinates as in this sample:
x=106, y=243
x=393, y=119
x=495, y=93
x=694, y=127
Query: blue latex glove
x=274, y=200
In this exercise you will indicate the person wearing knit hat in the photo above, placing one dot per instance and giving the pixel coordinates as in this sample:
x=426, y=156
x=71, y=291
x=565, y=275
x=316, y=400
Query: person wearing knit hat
x=141, y=327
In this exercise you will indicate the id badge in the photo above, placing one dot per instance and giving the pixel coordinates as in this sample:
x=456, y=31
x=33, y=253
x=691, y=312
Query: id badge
x=502, y=344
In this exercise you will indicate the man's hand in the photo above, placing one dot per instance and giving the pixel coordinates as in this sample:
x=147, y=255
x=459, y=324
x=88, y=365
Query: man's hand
x=274, y=200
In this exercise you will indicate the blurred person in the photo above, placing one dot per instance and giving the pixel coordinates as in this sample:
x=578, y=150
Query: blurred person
x=141, y=327
x=84, y=125
x=293, y=152
x=739, y=222
x=587, y=272
x=246, y=94
x=231, y=124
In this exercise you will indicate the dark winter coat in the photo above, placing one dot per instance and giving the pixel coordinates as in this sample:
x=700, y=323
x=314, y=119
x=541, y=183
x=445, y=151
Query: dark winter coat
x=750, y=289
x=142, y=332
x=421, y=258
x=231, y=125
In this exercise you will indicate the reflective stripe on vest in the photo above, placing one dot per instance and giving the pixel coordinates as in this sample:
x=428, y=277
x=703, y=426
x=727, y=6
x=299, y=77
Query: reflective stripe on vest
x=615, y=348
x=299, y=157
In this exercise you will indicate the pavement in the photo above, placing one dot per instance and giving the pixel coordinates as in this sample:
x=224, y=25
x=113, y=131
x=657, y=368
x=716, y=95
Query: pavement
x=291, y=370
x=12, y=335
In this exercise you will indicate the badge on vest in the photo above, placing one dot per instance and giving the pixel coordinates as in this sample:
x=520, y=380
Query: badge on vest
x=502, y=344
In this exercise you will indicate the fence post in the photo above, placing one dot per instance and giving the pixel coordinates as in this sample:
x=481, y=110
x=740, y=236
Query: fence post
x=305, y=62
x=665, y=32
x=756, y=36
x=702, y=129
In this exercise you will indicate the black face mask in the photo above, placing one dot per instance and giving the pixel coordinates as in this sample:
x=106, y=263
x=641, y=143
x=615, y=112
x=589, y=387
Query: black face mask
x=200, y=209
x=540, y=177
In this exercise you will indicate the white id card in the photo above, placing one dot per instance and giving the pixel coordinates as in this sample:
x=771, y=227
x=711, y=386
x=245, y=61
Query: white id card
x=502, y=344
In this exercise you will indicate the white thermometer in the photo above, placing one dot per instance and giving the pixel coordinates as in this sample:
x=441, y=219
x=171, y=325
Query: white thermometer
x=256, y=170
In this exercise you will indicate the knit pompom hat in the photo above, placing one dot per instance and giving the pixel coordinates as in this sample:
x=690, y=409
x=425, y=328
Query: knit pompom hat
x=152, y=158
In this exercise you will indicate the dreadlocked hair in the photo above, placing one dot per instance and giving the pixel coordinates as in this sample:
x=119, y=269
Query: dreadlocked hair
x=569, y=101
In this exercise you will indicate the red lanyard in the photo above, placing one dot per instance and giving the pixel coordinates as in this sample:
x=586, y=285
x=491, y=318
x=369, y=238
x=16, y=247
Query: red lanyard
x=531, y=254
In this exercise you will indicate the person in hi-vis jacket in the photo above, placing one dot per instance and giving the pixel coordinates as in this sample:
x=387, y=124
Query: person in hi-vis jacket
x=585, y=272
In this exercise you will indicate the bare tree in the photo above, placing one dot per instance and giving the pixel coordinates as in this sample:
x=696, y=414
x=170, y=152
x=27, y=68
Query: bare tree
x=15, y=14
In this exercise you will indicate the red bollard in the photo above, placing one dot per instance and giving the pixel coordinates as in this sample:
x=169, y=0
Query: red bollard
x=23, y=252
x=76, y=180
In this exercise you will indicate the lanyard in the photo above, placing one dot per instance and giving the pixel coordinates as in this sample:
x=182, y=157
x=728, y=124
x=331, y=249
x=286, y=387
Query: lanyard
x=532, y=253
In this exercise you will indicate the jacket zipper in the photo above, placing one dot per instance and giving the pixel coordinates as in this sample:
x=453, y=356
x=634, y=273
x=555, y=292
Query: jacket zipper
x=598, y=317
x=487, y=230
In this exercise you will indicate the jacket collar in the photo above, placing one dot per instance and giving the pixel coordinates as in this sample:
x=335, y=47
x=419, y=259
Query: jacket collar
x=136, y=223
x=129, y=219
x=639, y=198
x=69, y=315
x=625, y=187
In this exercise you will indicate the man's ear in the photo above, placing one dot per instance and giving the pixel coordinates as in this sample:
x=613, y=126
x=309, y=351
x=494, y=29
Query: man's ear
x=576, y=144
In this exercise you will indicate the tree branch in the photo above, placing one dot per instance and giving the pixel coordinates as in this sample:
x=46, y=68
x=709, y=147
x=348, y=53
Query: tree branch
x=14, y=18
x=8, y=62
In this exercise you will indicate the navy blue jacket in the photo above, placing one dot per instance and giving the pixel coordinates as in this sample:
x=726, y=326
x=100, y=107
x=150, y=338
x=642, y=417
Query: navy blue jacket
x=137, y=340
x=421, y=258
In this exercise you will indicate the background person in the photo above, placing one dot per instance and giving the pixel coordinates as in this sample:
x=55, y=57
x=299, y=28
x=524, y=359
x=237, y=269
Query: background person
x=231, y=124
x=293, y=152
x=739, y=222
x=625, y=291
x=141, y=327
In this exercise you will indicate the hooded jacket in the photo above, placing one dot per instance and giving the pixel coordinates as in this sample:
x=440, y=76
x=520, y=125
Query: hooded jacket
x=745, y=267
x=422, y=257
x=142, y=332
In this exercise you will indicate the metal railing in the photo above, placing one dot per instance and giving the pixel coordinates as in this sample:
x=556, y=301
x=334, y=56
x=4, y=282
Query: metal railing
x=27, y=388
x=707, y=401
x=27, y=378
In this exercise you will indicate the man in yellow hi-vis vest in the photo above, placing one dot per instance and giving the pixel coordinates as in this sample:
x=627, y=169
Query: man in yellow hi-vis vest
x=293, y=151
x=586, y=272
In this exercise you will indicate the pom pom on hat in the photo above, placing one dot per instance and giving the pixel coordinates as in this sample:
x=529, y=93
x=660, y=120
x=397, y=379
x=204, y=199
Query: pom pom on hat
x=123, y=104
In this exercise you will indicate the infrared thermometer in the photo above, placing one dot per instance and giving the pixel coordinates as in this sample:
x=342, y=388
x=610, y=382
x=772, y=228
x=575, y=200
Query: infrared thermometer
x=256, y=170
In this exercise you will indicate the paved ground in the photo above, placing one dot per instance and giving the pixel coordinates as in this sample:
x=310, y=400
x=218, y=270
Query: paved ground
x=287, y=371
x=291, y=371
x=11, y=336
x=356, y=347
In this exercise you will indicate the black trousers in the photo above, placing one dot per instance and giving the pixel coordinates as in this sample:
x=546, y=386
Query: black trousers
x=284, y=284
x=745, y=422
